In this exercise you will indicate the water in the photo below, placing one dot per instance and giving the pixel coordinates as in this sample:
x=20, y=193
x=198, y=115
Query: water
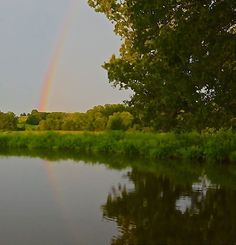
x=73, y=202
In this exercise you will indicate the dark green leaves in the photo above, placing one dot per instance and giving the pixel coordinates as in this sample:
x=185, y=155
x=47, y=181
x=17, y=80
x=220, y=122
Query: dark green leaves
x=177, y=56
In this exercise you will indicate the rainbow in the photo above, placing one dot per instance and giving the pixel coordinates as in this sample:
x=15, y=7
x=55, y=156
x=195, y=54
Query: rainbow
x=47, y=84
x=56, y=54
x=54, y=182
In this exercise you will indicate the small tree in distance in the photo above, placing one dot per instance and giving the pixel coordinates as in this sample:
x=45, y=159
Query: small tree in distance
x=120, y=121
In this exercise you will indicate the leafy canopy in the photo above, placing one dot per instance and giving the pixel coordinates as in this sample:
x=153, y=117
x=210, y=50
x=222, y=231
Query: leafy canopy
x=178, y=56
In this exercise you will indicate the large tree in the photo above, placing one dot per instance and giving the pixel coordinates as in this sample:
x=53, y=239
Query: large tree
x=178, y=56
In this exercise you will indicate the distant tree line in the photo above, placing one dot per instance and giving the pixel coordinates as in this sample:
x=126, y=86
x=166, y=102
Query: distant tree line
x=99, y=118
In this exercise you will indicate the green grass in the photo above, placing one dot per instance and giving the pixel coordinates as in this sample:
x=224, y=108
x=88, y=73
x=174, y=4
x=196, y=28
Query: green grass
x=218, y=147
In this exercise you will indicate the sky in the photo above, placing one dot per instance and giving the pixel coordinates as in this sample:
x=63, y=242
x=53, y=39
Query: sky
x=29, y=31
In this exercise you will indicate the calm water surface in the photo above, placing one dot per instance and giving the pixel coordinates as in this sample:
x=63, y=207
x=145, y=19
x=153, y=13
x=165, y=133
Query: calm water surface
x=68, y=202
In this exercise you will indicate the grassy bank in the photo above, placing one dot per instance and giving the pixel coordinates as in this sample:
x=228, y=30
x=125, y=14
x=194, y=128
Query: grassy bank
x=220, y=146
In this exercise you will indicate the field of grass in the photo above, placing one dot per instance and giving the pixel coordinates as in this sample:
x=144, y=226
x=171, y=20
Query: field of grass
x=218, y=147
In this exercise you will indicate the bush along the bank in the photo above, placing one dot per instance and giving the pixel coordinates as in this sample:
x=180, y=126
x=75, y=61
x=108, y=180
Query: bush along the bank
x=219, y=146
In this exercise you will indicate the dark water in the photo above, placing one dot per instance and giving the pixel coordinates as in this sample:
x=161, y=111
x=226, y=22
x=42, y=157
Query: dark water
x=72, y=202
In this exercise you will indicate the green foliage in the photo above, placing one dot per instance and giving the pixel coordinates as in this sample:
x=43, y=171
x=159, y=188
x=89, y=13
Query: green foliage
x=233, y=122
x=95, y=119
x=22, y=119
x=8, y=121
x=233, y=156
x=120, y=121
x=219, y=147
x=35, y=117
x=179, y=59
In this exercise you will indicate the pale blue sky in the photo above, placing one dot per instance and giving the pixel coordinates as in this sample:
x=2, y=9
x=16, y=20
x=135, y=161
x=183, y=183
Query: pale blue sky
x=29, y=31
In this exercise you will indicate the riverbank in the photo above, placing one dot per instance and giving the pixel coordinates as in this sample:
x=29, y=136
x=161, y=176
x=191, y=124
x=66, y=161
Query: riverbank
x=218, y=147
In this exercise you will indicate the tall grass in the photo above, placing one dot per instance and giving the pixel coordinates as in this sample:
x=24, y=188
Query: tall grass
x=220, y=146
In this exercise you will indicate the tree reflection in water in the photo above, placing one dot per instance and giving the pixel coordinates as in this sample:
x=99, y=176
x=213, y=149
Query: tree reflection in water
x=160, y=211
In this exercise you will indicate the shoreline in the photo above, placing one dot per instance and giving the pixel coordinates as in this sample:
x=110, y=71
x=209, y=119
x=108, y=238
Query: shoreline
x=216, y=147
